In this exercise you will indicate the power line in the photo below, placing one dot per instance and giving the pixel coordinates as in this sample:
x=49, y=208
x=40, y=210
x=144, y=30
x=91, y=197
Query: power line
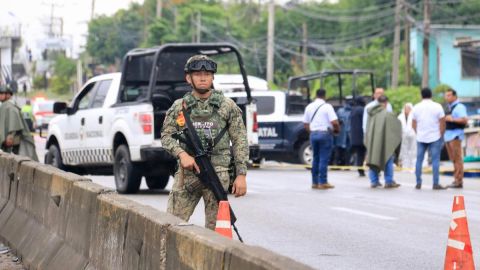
x=354, y=38
x=342, y=57
x=341, y=46
x=334, y=18
x=446, y=2
x=231, y=39
x=359, y=32
x=326, y=9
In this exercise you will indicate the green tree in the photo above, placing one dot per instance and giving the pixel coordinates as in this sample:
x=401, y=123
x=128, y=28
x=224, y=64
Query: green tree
x=102, y=41
x=402, y=95
x=64, y=66
x=64, y=72
x=342, y=34
x=109, y=38
x=160, y=32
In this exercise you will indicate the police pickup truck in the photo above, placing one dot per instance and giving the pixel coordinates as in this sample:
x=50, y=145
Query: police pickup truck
x=281, y=132
x=282, y=135
x=113, y=124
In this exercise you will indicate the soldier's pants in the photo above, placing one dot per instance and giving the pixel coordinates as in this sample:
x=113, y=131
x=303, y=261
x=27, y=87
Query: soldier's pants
x=182, y=202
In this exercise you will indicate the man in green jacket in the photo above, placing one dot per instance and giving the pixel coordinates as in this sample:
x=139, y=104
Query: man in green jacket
x=384, y=134
x=15, y=136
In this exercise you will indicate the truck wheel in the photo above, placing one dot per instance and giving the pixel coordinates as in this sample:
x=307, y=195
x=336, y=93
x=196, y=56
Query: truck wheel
x=305, y=154
x=157, y=181
x=54, y=157
x=127, y=175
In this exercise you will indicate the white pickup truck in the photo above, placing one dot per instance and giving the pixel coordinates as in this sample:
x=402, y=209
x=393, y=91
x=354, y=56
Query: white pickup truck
x=113, y=125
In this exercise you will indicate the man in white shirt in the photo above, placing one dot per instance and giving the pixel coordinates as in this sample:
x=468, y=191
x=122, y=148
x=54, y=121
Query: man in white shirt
x=321, y=121
x=429, y=124
x=378, y=93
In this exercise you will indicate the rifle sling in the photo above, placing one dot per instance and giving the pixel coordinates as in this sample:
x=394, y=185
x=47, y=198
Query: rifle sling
x=189, y=124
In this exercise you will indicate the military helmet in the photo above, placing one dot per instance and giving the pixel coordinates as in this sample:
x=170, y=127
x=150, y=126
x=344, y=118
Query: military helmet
x=6, y=89
x=3, y=89
x=200, y=62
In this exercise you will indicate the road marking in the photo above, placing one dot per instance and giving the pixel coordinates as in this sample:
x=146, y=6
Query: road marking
x=407, y=184
x=362, y=213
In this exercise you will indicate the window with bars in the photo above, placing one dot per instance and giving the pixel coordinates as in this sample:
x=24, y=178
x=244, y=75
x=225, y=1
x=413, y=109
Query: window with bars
x=470, y=62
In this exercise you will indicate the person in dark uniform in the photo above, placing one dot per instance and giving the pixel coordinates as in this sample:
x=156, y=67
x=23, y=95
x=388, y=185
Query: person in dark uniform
x=356, y=134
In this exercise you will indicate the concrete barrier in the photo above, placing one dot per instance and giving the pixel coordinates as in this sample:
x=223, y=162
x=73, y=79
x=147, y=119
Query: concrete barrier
x=192, y=247
x=4, y=183
x=129, y=235
x=10, y=172
x=58, y=220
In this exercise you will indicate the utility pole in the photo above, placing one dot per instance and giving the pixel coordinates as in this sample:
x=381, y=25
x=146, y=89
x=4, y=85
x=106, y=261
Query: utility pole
x=145, y=21
x=270, y=40
x=407, y=53
x=92, y=12
x=396, y=44
x=50, y=30
x=79, y=75
x=199, y=26
x=426, y=43
x=61, y=26
x=159, y=9
x=175, y=19
x=304, y=47
x=192, y=23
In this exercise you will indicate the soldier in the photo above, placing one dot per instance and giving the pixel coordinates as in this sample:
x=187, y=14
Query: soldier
x=15, y=135
x=216, y=118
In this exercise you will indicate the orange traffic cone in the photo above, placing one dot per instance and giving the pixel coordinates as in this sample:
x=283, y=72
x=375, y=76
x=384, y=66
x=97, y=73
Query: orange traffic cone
x=223, y=226
x=459, y=248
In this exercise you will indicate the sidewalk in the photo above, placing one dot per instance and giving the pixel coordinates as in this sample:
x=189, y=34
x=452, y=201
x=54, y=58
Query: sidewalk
x=471, y=169
x=9, y=261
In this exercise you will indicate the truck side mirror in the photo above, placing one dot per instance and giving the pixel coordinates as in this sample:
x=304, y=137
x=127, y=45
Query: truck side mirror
x=61, y=108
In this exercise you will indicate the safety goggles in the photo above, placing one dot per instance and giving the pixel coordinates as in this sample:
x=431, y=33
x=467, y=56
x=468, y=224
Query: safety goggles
x=198, y=65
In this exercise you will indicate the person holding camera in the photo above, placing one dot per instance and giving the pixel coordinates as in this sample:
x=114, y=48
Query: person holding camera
x=321, y=122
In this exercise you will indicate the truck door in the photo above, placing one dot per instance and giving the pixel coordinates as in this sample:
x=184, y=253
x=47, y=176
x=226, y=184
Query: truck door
x=74, y=127
x=96, y=143
x=270, y=131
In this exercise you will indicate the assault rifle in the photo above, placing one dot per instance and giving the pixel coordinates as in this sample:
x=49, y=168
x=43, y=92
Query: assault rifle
x=207, y=174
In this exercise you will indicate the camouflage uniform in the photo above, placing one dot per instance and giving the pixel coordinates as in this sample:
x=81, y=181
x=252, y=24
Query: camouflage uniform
x=212, y=114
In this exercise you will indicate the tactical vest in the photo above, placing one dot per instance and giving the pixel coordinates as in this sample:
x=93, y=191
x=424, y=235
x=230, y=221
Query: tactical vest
x=451, y=125
x=210, y=120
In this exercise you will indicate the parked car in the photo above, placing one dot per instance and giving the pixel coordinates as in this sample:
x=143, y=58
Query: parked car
x=42, y=111
x=281, y=133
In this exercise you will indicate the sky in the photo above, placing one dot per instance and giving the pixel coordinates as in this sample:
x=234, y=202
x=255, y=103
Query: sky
x=34, y=16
